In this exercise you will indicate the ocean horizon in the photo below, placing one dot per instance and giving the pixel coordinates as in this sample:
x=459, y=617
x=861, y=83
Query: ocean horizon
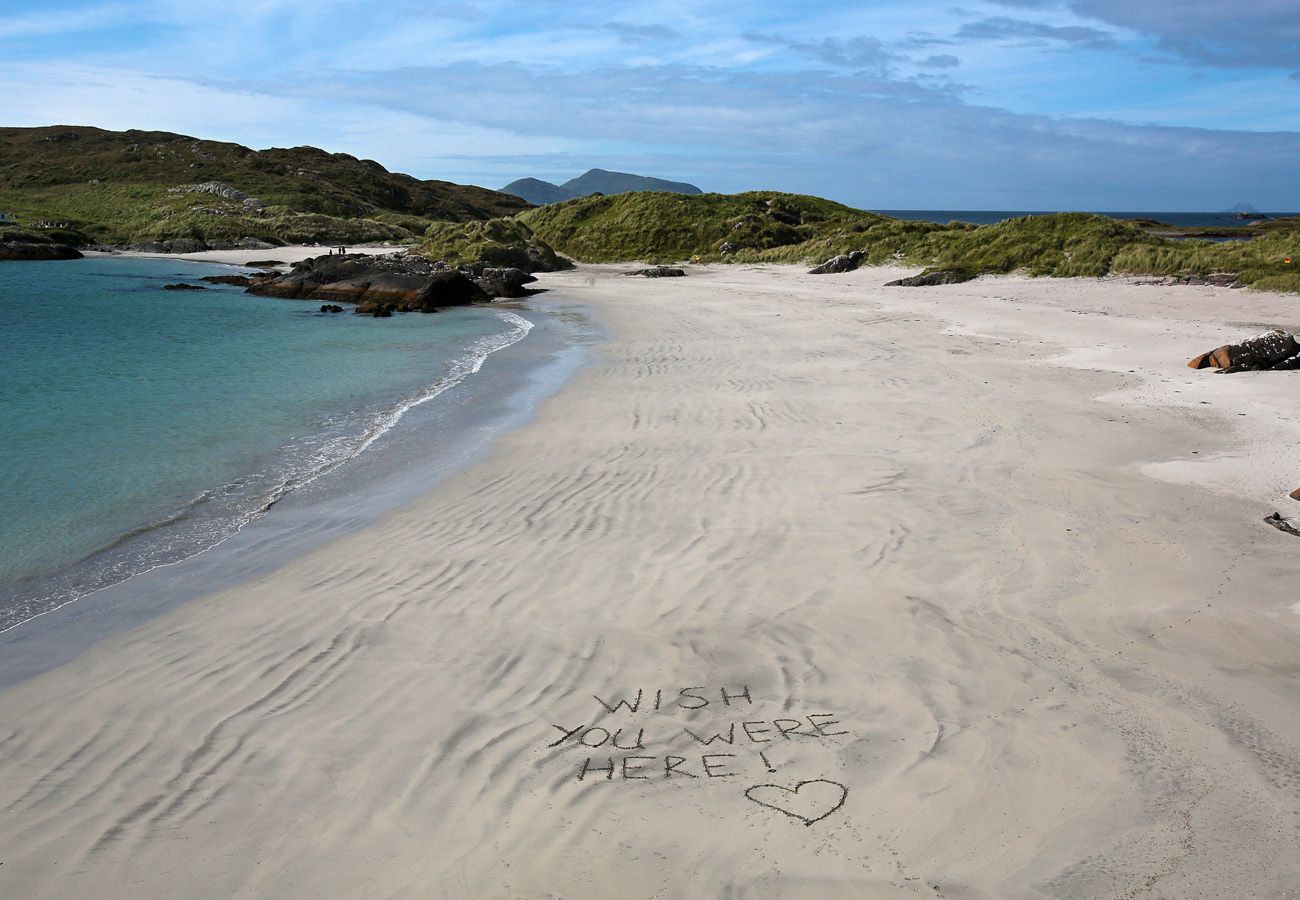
x=989, y=217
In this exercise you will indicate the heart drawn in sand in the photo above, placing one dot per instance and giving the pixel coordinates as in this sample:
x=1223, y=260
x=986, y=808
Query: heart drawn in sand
x=807, y=801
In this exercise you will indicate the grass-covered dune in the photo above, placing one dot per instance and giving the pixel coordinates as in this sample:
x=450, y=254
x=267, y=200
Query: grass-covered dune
x=119, y=187
x=791, y=228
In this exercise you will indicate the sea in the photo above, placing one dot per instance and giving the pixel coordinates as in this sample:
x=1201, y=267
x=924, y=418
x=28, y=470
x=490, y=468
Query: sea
x=141, y=427
x=989, y=217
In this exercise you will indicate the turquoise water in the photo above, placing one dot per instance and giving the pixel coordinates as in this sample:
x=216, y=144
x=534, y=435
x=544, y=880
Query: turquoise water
x=139, y=426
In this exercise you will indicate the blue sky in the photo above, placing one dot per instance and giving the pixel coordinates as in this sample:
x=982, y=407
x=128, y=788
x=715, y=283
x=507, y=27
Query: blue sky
x=968, y=104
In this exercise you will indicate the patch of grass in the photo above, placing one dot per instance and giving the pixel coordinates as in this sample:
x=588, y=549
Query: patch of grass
x=497, y=242
x=662, y=227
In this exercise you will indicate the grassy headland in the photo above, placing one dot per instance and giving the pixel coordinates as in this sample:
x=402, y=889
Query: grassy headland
x=121, y=187
x=790, y=228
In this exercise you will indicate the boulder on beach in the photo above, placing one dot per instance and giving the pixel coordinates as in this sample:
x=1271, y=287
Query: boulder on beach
x=25, y=250
x=845, y=262
x=1275, y=350
x=659, y=272
x=932, y=277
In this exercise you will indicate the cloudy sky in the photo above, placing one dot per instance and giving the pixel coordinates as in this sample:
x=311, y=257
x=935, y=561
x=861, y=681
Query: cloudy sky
x=884, y=104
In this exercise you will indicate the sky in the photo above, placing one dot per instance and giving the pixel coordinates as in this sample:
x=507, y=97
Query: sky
x=1106, y=105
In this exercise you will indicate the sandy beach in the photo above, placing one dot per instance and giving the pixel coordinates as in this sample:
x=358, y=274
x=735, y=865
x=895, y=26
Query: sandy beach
x=804, y=587
x=287, y=255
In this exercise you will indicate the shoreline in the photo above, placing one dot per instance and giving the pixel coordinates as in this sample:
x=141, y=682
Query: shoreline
x=919, y=522
x=350, y=493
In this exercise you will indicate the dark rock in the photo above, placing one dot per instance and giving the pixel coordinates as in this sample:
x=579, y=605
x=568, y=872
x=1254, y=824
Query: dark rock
x=659, y=272
x=177, y=245
x=726, y=248
x=398, y=283
x=932, y=277
x=24, y=250
x=331, y=308
x=184, y=287
x=503, y=282
x=240, y=280
x=1272, y=350
x=266, y=263
x=843, y=263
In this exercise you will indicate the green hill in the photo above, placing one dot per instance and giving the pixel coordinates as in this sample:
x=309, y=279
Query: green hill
x=120, y=187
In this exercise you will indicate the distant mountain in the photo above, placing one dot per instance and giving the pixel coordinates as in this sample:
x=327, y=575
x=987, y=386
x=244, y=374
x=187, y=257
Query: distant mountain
x=594, y=181
x=130, y=186
x=538, y=192
x=599, y=181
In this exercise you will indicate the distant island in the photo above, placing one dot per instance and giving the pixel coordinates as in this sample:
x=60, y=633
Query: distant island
x=593, y=181
x=1244, y=211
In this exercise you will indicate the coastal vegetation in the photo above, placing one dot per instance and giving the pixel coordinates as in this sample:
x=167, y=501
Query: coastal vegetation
x=85, y=185
x=758, y=227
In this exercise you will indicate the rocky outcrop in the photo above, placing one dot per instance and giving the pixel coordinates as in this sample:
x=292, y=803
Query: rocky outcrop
x=1214, y=279
x=932, y=277
x=197, y=245
x=240, y=280
x=378, y=285
x=1277, y=350
x=845, y=262
x=659, y=272
x=508, y=282
x=183, y=287
x=23, y=250
x=178, y=245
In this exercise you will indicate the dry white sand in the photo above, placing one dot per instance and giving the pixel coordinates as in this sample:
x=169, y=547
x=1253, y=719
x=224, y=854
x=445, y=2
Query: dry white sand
x=288, y=254
x=1013, y=605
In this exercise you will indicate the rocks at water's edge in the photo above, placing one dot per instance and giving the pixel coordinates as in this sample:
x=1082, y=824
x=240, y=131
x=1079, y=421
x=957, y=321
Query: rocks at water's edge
x=239, y=280
x=23, y=250
x=183, y=287
x=399, y=282
x=845, y=262
x=382, y=285
x=932, y=277
x=659, y=272
x=331, y=308
x=501, y=282
x=1276, y=350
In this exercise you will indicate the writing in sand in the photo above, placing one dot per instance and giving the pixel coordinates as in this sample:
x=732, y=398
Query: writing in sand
x=734, y=742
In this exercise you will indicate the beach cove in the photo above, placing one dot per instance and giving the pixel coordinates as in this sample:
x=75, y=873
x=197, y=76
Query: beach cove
x=804, y=587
